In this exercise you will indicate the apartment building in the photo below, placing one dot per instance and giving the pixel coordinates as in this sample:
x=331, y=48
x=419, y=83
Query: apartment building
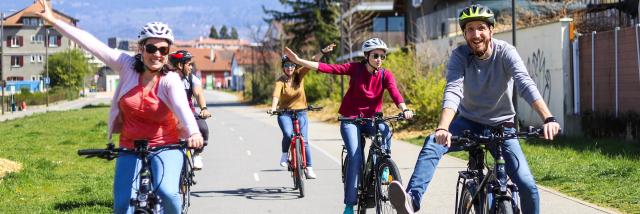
x=27, y=40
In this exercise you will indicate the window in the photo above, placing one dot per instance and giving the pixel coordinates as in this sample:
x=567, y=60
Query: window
x=33, y=58
x=16, y=61
x=14, y=41
x=15, y=78
x=38, y=38
x=39, y=58
x=395, y=24
x=54, y=41
x=416, y=3
x=31, y=21
x=379, y=24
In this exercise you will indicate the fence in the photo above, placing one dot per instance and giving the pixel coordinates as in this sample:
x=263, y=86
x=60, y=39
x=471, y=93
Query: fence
x=609, y=70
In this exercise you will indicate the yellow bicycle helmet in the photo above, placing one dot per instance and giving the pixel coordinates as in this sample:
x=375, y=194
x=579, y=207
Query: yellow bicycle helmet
x=476, y=12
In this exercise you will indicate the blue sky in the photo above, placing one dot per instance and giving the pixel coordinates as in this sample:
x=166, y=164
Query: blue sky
x=188, y=18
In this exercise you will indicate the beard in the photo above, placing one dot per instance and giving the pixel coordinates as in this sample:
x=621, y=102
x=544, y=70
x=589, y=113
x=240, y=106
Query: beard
x=479, y=49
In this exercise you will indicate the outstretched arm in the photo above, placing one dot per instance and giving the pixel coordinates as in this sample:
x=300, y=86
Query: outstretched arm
x=318, y=57
x=86, y=40
x=294, y=58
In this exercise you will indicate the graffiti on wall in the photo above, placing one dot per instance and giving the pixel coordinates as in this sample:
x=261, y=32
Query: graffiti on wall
x=541, y=75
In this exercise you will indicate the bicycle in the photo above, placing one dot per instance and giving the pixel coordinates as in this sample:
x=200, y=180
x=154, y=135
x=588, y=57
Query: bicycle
x=373, y=183
x=147, y=201
x=297, y=161
x=491, y=192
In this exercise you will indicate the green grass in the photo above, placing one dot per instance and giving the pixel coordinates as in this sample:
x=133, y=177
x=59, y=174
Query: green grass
x=603, y=172
x=54, y=179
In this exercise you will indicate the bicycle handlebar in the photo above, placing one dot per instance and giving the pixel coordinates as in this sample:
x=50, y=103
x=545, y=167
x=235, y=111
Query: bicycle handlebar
x=468, y=139
x=111, y=152
x=376, y=118
x=309, y=108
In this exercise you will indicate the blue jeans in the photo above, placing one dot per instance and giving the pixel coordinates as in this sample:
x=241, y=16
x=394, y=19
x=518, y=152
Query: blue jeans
x=516, y=166
x=286, y=126
x=351, y=136
x=166, y=166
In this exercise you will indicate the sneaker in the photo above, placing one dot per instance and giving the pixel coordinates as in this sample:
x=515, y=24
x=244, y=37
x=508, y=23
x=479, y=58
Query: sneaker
x=385, y=175
x=399, y=198
x=197, y=162
x=284, y=159
x=309, y=173
x=348, y=209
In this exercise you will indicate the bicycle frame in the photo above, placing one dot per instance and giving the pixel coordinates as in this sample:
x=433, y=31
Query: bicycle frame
x=297, y=135
x=492, y=188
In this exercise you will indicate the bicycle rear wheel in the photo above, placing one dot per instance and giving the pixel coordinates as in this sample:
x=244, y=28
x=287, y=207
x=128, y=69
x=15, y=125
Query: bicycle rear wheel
x=299, y=171
x=387, y=171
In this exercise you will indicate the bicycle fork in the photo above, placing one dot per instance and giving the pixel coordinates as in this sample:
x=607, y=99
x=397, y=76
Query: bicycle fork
x=146, y=200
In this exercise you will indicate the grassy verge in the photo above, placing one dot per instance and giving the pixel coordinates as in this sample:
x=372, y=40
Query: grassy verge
x=53, y=178
x=603, y=172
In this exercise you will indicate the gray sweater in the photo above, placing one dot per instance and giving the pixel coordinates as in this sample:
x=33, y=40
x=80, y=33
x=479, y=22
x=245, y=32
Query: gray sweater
x=481, y=90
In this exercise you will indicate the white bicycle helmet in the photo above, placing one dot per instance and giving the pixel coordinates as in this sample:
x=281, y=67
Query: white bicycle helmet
x=156, y=30
x=372, y=44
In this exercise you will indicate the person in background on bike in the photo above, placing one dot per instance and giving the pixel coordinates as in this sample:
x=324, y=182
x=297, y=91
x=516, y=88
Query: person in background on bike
x=363, y=98
x=288, y=94
x=181, y=61
x=480, y=77
x=148, y=104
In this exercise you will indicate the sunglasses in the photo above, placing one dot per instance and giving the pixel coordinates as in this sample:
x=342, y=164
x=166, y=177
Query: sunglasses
x=379, y=56
x=149, y=48
x=289, y=65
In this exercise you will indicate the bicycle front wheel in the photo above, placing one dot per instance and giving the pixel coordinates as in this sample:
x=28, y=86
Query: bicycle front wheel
x=387, y=171
x=185, y=183
x=467, y=205
x=299, y=171
x=503, y=207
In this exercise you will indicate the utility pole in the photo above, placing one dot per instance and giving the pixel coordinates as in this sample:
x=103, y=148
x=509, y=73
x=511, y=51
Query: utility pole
x=2, y=82
x=514, y=97
x=46, y=66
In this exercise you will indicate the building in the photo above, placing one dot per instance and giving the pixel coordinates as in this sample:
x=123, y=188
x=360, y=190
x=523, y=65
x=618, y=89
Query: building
x=123, y=44
x=216, y=44
x=26, y=41
x=364, y=19
x=213, y=67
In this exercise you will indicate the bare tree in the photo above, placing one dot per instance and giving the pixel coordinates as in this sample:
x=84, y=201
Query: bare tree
x=355, y=26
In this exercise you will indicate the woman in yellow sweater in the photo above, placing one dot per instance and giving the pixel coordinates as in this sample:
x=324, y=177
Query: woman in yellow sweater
x=288, y=93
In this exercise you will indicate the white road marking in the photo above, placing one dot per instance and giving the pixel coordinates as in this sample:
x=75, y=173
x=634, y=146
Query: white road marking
x=255, y=176
x=232, y=129
x=240, y=138
x=248, y=153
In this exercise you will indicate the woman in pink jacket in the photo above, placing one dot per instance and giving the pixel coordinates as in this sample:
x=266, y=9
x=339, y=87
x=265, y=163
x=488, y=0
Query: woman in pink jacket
x=149, y=103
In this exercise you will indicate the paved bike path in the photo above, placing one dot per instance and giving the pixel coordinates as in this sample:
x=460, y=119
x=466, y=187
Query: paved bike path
x=241, y=174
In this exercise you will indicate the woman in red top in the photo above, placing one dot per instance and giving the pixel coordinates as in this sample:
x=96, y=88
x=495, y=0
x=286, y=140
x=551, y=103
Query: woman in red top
x=363, y=98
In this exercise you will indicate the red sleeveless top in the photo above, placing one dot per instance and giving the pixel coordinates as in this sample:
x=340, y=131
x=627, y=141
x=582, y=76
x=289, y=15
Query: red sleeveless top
x=145, y=116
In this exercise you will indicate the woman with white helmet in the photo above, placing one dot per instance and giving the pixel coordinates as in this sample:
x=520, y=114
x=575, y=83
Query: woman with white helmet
x=363, y=98
x=149, y=103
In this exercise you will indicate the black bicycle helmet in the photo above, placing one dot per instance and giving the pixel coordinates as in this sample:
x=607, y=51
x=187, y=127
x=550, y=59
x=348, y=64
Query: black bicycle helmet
x=284, y=60
x=180, y=56
x=476, y=12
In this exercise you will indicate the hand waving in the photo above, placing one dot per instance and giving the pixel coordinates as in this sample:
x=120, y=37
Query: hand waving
x=47, y=13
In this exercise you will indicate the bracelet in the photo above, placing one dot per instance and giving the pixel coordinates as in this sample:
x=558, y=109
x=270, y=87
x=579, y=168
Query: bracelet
x=203, y=108
x=406, y=110
x=550, y=119
x=443, y=129
x=324, y=53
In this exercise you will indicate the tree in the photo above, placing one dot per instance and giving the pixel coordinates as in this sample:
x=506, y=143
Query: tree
x=311, y=24
x=68, y=68
x=224, y=34
x=234, y=33
x=213, y=33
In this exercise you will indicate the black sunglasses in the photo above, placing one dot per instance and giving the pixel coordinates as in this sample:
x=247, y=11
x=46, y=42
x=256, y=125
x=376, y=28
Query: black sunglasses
x=379, y=56
x=149, y=48
x=289, y=65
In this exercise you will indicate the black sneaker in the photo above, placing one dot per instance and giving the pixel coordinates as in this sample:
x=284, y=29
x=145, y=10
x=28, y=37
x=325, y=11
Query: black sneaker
x=399, y=198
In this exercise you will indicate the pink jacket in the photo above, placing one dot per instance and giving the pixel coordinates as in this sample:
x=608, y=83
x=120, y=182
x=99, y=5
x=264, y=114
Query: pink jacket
x=170, y=91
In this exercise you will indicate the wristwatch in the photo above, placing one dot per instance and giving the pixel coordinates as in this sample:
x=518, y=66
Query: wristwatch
x=203, y=108
x=550, y=119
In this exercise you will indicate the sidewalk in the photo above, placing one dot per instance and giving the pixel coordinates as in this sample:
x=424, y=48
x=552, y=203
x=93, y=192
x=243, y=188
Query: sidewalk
x=91, y=99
